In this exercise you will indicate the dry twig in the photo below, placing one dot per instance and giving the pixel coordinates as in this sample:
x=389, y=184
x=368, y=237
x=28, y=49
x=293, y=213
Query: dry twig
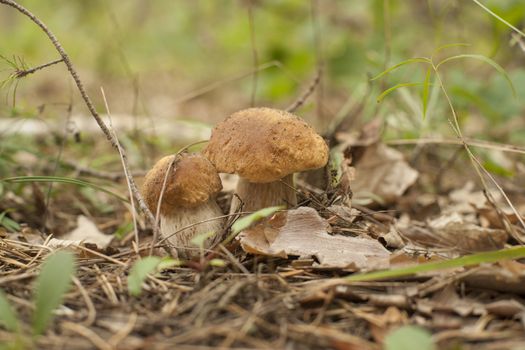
x=89, y=104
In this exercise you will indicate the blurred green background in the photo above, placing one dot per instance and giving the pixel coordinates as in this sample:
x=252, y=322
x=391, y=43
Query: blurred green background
x=149, y=55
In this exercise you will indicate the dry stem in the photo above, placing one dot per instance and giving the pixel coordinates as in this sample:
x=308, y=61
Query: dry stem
x=89, y=104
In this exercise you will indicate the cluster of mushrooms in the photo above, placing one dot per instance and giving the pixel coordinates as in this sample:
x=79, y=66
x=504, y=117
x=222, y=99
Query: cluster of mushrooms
x=263, y=146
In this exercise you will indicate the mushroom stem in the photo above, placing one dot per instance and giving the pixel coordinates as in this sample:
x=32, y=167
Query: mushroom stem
x=184, y=217
x=256, y=196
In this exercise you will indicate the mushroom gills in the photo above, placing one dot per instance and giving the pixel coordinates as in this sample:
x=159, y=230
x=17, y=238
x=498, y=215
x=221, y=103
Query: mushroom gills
x=256, y=196
x=199, y=217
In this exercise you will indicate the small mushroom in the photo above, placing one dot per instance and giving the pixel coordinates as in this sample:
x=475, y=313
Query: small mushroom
x=265, y=147
x=188, y=198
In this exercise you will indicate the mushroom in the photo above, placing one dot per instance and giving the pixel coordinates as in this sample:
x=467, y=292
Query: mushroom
x=265, y=147
x=188, y=198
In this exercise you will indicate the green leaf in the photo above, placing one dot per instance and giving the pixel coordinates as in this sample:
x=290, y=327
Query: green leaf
x=140, y=271
x=51, y=286
x=499, y=18
x=393, y=88
x=199, y=239
x=400, y=64
x=7, y=315
x=168, y=262
x=67, y=180
x=217, y=262
x=467, y=260
x=483, y=59
x=8, y=223
x=426, y=85
x=245, y=222
x=409, y=338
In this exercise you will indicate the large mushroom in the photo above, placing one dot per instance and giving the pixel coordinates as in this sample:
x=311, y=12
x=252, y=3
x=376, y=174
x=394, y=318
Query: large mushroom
x=265, y=147
x=188, y=198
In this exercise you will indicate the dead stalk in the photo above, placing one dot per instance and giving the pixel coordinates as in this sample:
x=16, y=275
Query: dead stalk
x=111, y=138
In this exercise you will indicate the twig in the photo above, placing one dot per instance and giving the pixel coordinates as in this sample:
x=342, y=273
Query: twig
x=87, y=333
x=171, y=168
x=120, y=151
x=163, y=189
x=25, y=72
x=471, y=142
x=89, y=104
x=318, y=47
x=123, y=332
x=519, y=40
x=254, y=51
x=92, y=311
x=215, y=85
x=311, y=88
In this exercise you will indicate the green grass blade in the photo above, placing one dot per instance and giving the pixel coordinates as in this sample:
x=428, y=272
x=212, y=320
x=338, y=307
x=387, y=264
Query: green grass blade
x=426, y=89
x=499, y=18
x=487, y=60
x=394, y=88
x=60, y=179
x=400, y=64
x=446, y=46
x=8, y=316
x=51, y=286
x=464, y=261
x=140, y=271
x=8, y=223
x=247, y=221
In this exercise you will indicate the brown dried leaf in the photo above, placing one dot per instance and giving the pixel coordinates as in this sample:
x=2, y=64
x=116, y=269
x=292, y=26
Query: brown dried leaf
x=382, y=172
x=505, y=308
x=452, y=231
x=302, y=232
x=502, y=277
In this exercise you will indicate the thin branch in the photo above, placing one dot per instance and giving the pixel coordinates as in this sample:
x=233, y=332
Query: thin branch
x=471, y=142
x=318, y=47
x=254, y=52
x=217, y=84
x=311, y=88
x=25, y=72
x=120, y=151
x=170, y=170
x=89, y=104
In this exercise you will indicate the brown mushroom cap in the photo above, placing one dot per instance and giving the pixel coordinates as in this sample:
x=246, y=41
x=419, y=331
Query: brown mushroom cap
x=192, y=181
x=264, y=145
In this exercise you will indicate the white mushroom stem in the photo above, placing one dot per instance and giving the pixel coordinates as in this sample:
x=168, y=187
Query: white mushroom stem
x=199, y=217
x=256, y=196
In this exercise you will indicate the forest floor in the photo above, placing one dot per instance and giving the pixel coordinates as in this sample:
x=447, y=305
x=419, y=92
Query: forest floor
x=303, y=301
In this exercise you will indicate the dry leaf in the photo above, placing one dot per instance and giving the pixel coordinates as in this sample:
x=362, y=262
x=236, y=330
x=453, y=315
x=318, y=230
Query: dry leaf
x=302, y=232
x=505, y=308
x=452, y=231
x=87, y=232
x=499, y=278
x=383, y=173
